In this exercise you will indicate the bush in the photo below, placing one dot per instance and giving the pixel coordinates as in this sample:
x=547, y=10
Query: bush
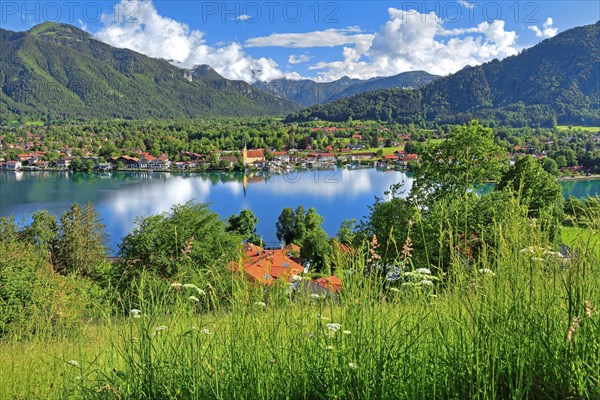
x=35, y=300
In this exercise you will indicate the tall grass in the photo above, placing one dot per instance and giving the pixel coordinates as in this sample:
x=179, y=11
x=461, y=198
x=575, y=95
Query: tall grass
x=520, y=322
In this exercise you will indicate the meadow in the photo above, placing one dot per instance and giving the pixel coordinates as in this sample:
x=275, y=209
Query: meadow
x=520, y=322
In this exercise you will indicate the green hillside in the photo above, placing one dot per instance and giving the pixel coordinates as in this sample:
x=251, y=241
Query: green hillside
x=556, y=81
x=57, y=71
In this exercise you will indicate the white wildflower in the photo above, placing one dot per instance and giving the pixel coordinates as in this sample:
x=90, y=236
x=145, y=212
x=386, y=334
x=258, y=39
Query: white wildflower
x=553, y=253
x=353, y=365
x=486, y=271
x=205, y=331
x=135, y=313
x=190, y=286
x=333, y=327
x=316, y=296
x=426, y=282
x=296, y=278
x=160, y=328
x=260, y=304
x=194, y=298
x=424, y=271
x=73, y=363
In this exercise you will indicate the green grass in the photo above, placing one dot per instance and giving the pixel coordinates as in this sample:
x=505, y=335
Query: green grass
x=386, y=150
x=574, y=236
x=468, y=335
x=34, y=123
x=579, y=127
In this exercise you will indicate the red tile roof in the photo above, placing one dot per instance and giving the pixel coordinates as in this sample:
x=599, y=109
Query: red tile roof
x=332, y=283
x=256, y=153
x=265, y=266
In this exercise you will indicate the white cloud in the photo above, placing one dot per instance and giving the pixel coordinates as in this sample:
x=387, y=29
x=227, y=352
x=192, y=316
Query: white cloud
x=412, y=41
x=468, y=5
x=82, y=25
x=548, y=30
x=243, y=17
x=293, y=59
x=157, y=36
x=326, y=38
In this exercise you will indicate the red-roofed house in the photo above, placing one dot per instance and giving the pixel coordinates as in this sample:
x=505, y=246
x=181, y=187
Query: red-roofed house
x=266, y=266
x=332, y=283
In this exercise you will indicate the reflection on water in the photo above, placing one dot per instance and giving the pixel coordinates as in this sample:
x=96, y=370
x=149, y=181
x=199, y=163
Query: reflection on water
x=120, y=197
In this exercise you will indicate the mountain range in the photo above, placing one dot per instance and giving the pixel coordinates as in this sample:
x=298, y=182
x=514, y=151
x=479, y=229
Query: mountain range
x=59, y=72
x=555, y=81
x=307, y=92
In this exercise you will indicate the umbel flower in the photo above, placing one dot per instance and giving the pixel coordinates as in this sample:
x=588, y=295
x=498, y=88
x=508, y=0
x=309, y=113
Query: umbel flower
x=135, y=313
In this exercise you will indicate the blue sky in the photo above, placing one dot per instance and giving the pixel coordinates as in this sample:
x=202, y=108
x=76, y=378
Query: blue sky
x=322, y=40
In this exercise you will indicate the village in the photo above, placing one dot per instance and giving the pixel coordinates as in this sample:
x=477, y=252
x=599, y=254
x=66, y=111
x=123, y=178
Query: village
x=354, y=148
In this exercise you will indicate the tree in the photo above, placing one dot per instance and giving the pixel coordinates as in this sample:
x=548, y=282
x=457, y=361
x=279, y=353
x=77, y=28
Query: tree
x=299, y=225
x=346, y=232
x=561, y=161
x=82, y=241
x=189, y=236
x=549, y=166
x=536, y=189
x=43, y=230
x=285, y=226
x=244, y=225
x=466, y=159
x=292, y=226
x=312, y=220
x=316, y=248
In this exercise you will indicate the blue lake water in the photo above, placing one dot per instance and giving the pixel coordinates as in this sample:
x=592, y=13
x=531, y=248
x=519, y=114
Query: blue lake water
x=121, y=197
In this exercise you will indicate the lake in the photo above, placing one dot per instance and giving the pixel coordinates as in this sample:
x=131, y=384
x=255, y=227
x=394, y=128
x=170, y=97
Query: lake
x=120, y=197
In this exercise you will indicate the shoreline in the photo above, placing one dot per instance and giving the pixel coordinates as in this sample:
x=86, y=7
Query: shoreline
x=578, y=178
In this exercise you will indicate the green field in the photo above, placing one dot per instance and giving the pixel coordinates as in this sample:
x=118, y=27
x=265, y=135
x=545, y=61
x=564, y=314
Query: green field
x=504, y=328
x=578, y=127
x=575, y=236
x=386, y=150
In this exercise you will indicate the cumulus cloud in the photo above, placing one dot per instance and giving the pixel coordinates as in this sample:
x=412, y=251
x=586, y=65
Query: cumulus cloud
x=326, y=38
x=293, y=59
x=547, y=30
x=157, y=36
x=243, y=17
x=411, y=41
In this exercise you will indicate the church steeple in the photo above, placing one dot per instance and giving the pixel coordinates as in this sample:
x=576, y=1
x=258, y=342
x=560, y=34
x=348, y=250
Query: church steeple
x=245, y=153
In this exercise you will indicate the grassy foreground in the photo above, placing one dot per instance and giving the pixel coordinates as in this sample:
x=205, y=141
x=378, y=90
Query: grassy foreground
x=521, y=322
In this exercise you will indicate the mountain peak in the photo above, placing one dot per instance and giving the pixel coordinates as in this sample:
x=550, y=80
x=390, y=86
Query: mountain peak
x=58, y=32
x=206, y=72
